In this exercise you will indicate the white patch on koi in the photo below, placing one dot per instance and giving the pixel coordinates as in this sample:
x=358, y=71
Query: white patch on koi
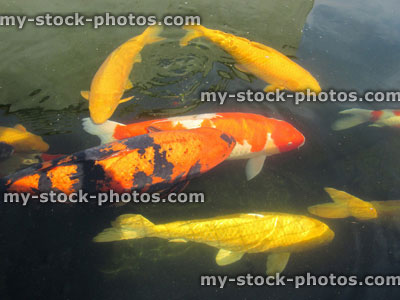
x=191, y=122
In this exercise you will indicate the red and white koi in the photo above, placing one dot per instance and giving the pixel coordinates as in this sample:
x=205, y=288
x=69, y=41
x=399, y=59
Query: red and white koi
x=378, y=118
x=256, y=136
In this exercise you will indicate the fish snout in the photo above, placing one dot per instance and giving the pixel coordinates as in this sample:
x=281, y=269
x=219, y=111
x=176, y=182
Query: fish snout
x=101, y=114
x=287, y=137
x=40, y=146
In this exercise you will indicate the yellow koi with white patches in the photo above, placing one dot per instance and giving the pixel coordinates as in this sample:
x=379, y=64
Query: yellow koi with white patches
x=262, y=61
x=234, y=235
x=111, y=80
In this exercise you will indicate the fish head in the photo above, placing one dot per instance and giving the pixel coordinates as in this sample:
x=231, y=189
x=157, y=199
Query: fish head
x=313, y=233
x=99, y=113
x=362, y=210
x=313, y=86
x=308, y=84
x=286, y=137
x=35, y=143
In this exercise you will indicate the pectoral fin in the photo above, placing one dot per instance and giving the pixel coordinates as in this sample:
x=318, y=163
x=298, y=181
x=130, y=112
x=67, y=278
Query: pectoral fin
x=85, y=94
x=129, y=84
x=375, y=125
x=226, y=257
x=330, y=210
x=276, y=262
x=125, y=100
x=138, y=59
x=20, y=127
x=241, y=68
x=254, y=166
x=178, y=241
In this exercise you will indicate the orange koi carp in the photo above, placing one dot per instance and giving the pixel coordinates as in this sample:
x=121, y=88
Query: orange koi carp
x=262, y=61
x=256, y=136
x=145, y=163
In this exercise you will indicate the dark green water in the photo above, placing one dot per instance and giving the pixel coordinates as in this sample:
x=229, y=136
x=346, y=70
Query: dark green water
x=46, y=251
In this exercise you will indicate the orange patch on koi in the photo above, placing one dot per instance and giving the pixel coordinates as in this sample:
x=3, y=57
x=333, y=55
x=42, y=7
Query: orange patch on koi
x=60, y=178
x=26, y=184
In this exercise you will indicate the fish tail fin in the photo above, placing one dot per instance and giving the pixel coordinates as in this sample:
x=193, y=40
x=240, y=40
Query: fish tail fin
x=330, y=210
x=152, y=33
x=356, y=117
x=126, y=227
x=337, y=210
x=194, y=31
x=104, y=131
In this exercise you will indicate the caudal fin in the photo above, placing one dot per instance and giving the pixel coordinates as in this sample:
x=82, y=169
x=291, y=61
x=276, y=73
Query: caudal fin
x=152, y=33
x=337, y=210
x=126, y=227
x=356, y=116
x=194, y=31
x=104, y=131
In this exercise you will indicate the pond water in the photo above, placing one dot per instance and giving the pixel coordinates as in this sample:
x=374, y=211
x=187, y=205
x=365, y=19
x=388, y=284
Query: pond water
x=348, y=45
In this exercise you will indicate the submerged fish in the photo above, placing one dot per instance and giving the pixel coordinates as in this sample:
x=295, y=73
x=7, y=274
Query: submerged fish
x=346, y=205
x=275, y=233
x=357, y=116
x=111, y=79
x=256, y=136
x=262, y=61
x=5, y=150
x=146, y=163
x=22, y=140
x=17, y=162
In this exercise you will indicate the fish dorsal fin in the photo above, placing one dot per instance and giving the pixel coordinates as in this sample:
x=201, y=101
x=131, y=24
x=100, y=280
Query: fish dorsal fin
x=254, y=166
x=340, y=197
x=262, y=47
x=20, y=128
x=153, y=128
x=226, y=257
x=178, y=241
x=128, y=84
x=330, y=210
x=85, y=94
x=125, y=100
x=241, y=68
x=276, y=262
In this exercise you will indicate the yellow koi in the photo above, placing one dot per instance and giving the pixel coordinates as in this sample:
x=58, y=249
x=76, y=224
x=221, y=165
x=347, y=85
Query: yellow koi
x=111, y=79
x=346, y=205
x=278, y=234
x=22, y=140
x=262, y=61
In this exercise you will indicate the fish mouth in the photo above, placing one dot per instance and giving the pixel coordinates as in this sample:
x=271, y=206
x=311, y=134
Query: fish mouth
x=329, y=235
x=302, y=144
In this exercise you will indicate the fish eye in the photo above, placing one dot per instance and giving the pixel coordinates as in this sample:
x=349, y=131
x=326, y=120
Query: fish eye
x=290, y=143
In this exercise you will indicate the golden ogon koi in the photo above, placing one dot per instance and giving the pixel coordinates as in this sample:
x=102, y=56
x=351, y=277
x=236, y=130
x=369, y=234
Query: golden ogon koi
x=262, y=61
x=111, y=79
x=22, y=140
x=278, y=234
x=346, y=205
